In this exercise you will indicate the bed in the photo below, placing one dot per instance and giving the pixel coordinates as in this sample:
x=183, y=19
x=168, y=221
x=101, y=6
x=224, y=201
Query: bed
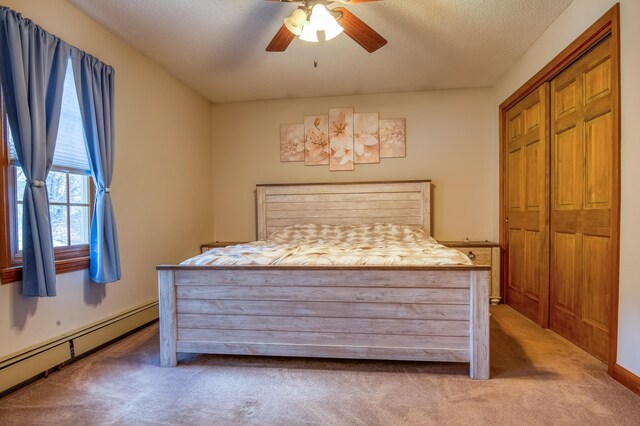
x=363, y=311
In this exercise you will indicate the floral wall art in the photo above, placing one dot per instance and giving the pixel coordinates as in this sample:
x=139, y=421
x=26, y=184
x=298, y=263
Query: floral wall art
x=366, y=141
x=316, y=145
x=392, y=138
x=292, y=142
x=343, y=139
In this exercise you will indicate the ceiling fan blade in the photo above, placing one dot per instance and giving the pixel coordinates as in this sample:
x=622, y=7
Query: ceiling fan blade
x=360, y=32
x=281, y=41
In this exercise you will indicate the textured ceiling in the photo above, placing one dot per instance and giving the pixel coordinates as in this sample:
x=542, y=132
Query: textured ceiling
x=218, y=46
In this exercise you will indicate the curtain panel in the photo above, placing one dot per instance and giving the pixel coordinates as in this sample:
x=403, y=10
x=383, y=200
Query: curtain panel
x=95, y=87
x=32, y=70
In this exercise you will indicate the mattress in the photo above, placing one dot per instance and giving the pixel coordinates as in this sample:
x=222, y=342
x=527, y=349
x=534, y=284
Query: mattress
x=381, y=244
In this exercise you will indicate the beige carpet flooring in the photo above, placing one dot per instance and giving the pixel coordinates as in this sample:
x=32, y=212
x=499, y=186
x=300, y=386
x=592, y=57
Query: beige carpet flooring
x=538, y=378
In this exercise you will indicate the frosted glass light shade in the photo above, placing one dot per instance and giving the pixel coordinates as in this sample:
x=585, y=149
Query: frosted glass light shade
x=295, y=23
x=309, y=33
x=320, y=20
x=332, y=29
x=320, y=17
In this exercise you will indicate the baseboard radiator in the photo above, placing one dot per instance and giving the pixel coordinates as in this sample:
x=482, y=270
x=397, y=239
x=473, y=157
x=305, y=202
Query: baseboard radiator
x=38, y=360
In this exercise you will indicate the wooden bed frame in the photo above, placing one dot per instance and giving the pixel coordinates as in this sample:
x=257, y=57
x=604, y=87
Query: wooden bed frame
x=434, y=313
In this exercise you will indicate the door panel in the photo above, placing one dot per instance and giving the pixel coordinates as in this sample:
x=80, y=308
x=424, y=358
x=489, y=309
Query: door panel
x=596, y=268
x=527, y=158
x=516, y=259
x=564, y=263
x=581, y=190
x=532, y=117
x=598, y=173
x=566, y=158
x=532, y=179
x=532, y=248
x=565, y=100
x=597, y=81
x=515, y=179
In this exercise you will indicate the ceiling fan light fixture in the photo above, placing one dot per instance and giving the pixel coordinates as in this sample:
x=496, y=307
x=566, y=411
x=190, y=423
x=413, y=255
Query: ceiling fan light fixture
x=314, y=22
x=296, y=22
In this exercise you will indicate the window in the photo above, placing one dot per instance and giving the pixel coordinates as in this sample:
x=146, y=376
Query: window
x=68, y=206
x=69, y=187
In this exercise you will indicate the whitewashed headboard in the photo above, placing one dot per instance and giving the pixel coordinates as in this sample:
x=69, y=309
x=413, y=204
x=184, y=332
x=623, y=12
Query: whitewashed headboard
x=401, y=202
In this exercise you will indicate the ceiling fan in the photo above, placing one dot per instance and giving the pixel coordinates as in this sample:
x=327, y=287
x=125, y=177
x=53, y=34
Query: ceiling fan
x=313, y=21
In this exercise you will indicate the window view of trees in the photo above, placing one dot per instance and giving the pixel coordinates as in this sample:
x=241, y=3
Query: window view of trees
x=68, y=206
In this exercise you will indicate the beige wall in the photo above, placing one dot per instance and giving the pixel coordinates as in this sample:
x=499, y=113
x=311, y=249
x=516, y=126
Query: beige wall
x=448, y=141
x=573, y=21
x=162, y=168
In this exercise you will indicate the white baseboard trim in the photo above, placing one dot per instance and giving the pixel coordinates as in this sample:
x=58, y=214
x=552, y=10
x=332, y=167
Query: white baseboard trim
x=36, y=360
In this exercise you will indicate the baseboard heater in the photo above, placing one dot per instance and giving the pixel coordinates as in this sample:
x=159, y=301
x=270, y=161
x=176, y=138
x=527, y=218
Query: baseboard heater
x=38, y=360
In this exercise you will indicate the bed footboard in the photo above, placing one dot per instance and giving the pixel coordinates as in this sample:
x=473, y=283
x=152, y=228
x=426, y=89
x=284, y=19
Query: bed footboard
x=422, y=314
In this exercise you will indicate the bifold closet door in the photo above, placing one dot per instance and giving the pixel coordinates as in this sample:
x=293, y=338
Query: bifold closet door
x=581, y=200
x=527, y=207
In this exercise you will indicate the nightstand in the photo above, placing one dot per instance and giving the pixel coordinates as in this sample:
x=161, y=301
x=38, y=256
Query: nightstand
x=217, y=244
x=482, y=253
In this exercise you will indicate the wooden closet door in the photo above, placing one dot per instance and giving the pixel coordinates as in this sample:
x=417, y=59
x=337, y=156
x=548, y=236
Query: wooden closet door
x=582, y=197
x=527, y=208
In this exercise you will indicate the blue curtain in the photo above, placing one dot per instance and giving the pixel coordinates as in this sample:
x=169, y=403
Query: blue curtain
x=32, y=69
x=94, y=83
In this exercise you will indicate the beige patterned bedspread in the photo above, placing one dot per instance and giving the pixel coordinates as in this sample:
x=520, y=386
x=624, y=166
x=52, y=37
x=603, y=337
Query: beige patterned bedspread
x=347, y=245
